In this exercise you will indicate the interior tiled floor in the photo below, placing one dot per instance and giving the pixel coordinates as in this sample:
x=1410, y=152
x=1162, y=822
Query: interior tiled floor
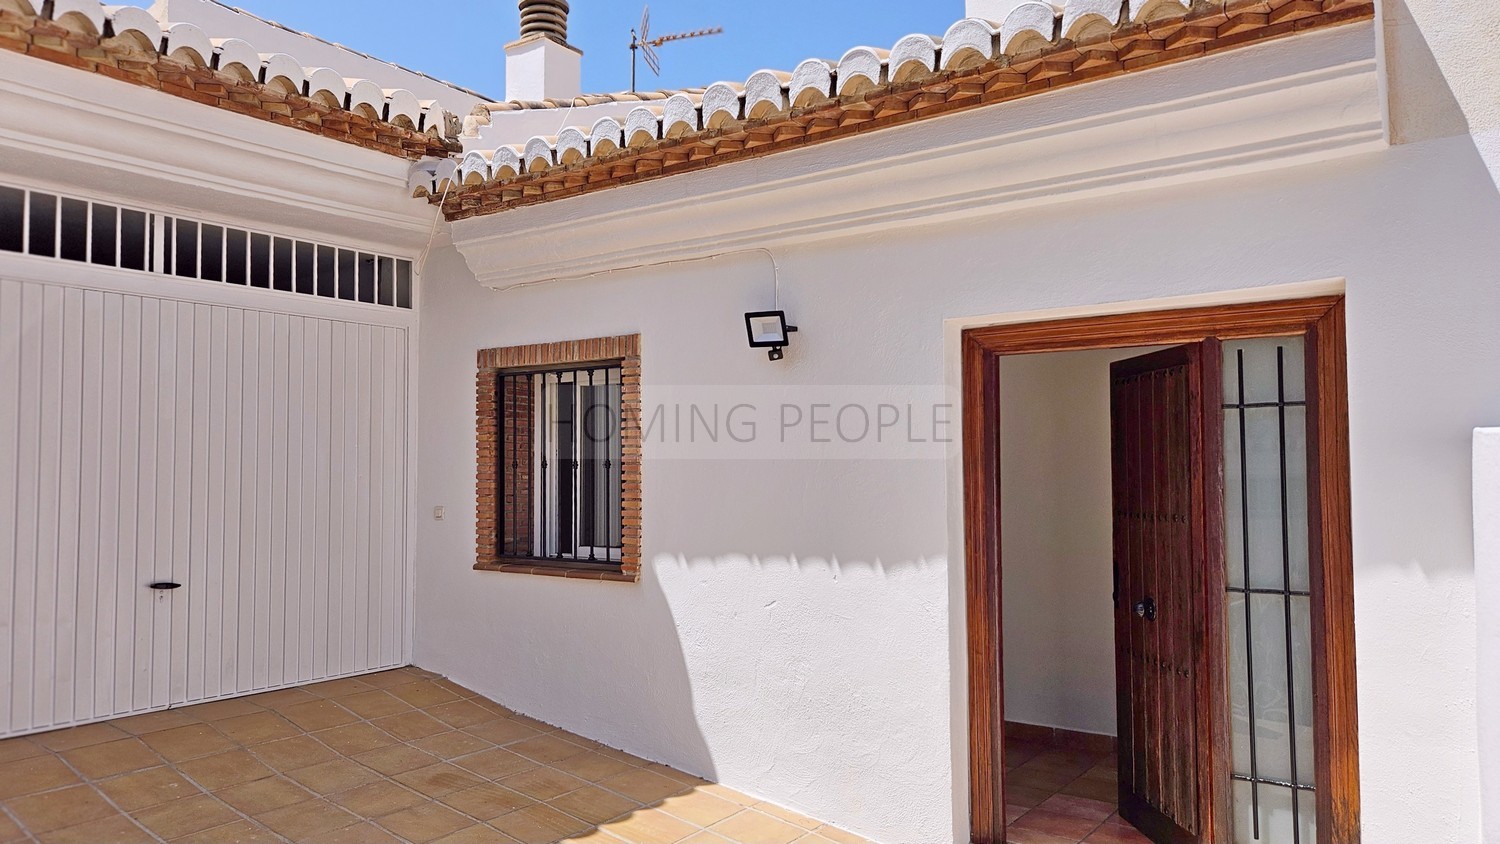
x=403, y=755
x=1061, y=795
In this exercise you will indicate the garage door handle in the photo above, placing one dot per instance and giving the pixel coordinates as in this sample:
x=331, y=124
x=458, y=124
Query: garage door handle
x=165, y=586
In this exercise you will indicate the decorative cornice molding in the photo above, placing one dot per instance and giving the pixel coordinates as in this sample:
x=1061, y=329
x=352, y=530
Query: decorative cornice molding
x=1282, y=103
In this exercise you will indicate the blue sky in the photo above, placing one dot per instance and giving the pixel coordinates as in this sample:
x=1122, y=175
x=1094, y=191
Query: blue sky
x=461, y=40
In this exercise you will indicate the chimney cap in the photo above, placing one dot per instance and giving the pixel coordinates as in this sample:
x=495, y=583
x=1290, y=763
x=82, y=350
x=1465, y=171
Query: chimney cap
x=548, y=18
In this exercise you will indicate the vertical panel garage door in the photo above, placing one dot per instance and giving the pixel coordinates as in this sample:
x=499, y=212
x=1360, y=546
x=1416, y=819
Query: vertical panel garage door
x=257, y=459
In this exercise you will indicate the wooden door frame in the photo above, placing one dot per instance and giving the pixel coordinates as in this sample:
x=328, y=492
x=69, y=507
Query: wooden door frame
x=1321, y=321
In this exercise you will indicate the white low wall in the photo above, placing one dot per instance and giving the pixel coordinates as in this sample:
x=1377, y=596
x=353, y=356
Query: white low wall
x=1487, y=586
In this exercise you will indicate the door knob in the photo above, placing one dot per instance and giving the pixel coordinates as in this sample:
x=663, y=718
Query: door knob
x=1146, y=609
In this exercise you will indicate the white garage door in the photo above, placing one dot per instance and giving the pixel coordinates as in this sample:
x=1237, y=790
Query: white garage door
x=256, y=458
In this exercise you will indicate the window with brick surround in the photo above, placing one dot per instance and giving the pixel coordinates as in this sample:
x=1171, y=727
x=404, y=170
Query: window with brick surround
x=558, y=447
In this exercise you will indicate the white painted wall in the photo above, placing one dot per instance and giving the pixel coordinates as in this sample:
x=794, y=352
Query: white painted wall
x=1487, y=579
x=538, y=68
x=799, y=629
x=1056, y=513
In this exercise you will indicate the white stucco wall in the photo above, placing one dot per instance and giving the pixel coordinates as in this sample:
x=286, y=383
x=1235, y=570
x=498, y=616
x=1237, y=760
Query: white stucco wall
x=1487, y=578
x=1056, y=516
x=796, y=629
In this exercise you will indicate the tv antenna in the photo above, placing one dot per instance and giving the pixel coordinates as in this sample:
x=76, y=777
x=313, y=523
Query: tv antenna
x=642, y=42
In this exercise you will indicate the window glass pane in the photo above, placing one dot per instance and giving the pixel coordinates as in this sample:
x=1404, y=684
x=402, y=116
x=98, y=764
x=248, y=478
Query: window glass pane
x=236, y=248
x=42, y=239
x=213, y=253
x=1261, y=358
x=387, y=283
x=348, y=280
x=282, y=273
x=103, y=234
x=187, y=249
x=75, y=230
x=133, y=239
x=327, y=271
x=403, y=284
x=307, y=268
x=367, y=278
x=260, y=260
x=12, y=219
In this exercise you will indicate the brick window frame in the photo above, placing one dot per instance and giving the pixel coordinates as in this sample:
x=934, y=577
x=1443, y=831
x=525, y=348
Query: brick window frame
x=491, y=415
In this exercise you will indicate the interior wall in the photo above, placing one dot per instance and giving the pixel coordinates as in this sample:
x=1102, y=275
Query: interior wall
x=1057, y=575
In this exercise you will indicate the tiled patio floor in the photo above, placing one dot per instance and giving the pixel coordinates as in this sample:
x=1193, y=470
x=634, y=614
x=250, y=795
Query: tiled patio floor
x=1061, y=795
x=398, y=756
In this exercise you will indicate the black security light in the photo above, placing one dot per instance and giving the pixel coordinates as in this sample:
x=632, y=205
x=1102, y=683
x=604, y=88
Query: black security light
x=768, y=330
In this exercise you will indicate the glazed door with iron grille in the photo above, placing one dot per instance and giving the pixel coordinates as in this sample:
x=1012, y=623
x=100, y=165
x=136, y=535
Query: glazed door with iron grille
x=1162, y=582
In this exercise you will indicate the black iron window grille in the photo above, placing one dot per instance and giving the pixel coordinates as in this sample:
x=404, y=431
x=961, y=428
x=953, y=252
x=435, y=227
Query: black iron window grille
x=560, y=475
x=1269, y=585
x=51, y=226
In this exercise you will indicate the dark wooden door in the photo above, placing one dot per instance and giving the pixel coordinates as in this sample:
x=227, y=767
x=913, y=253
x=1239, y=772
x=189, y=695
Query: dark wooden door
x=1164, y=586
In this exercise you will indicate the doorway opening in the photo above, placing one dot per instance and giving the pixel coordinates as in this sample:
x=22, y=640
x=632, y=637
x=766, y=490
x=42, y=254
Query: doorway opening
x=1161, y=646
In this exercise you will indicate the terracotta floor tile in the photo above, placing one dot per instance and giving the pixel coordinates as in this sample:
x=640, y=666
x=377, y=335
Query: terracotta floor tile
x=237, y=832
x=538, y=824
x=147, y=788
x=495, y=764
x=34, y=774
x=75, y=737
x=155, y=722
x=378, y=799
x=1066, y=826
x=61, y=808
x=293, y=753
x=261, y=796
x=395, y=759
x=703, y=809
x=1014, y=835
x=477, y=834
x=186, y=816
x=253, y=769
x=423, y=694
x=489, y=801
x=98, y=761
x=334, y=776
x=461, y=713
x=223, y=770
x=1117, y=833
x=9, y=829
x=546, y=748
x=410, y=725
x=752, y=827
x=221, y=709
x=282, y=698
x=304, y=820
x=504, y=731
x=374, y=704
x=352, y=739
x=425, y=822
x=188, y=742
x=319, y=715
x=840, y=836
x=543, y=783
x=19, y=748
x=645, y=786
x=1079, y=807
x=343, y=687
x=591, y=766
x=596, y=805
x=452, y=744
x=440, y=779
x=257, y=727
x=360, y=833
x=118, y=829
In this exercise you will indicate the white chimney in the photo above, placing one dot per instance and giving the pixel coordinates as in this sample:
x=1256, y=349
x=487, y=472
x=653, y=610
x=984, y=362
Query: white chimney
x=541, y=64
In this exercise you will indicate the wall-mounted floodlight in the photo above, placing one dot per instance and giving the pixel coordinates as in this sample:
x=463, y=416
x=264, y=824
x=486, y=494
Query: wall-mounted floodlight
x=768, y=330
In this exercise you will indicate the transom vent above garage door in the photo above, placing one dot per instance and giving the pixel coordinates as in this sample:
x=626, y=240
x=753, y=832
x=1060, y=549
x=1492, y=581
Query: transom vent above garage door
x=52, y=226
